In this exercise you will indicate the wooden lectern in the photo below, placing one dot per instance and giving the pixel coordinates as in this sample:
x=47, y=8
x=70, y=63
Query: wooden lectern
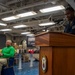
x=59, y=48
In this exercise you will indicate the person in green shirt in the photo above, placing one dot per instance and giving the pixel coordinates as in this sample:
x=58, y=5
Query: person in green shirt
x=7, y=52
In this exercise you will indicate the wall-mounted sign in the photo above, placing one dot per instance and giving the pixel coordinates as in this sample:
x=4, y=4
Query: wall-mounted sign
x=44, y=64
x=30, y=41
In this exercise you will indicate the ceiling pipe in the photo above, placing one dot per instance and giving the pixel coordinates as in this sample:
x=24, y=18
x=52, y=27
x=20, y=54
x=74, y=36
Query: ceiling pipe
x=38, y=14
x=12, y=2
x=3, y=7
x=72, y=3
x=25, y=7
x=31, y=23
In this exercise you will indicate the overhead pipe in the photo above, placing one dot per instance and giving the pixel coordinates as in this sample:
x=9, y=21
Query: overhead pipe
x=25, y=7
x=72, y=3
x=3, y=7
x=14, y=1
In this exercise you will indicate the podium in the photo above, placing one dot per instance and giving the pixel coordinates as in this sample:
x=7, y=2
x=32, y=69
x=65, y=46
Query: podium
x=57, y=53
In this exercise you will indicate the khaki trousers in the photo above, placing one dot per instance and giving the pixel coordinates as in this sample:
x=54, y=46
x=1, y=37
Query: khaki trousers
x=3, y=61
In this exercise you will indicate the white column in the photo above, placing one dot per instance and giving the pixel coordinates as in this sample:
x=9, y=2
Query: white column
x=31, y=60
x=20, y=62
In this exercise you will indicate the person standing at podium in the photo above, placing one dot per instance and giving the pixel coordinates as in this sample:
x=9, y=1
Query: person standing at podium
x=70, y=27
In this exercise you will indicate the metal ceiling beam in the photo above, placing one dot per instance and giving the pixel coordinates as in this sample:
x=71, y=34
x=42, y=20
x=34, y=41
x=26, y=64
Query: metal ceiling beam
x=3, y=7
x=13, y=1
x=27, y=6
x=72, y=3
x=30, y=23
x=38, y=15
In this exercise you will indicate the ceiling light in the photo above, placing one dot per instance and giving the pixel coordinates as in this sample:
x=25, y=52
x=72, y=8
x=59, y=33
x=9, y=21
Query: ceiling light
x=27, y=14
x=51, y=9
x=3, y=24
x=46, y=24
x=31, y=13
x=47, y=31
x=19, y=26
x=6, y=30
x=30, y=34
x=25, y=33
x=53, y=2
x=10, y=18
x=44, y=30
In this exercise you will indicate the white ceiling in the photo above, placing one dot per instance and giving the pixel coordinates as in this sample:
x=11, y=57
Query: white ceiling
x=13, y=7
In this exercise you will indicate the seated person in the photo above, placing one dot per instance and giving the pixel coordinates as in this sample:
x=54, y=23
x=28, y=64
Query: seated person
x=7, y=52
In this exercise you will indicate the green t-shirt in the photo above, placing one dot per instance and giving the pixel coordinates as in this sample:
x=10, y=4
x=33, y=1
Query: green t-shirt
x=8, y=52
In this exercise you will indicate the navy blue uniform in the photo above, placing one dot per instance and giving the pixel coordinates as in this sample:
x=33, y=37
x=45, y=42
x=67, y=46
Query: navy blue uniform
x=70, y=28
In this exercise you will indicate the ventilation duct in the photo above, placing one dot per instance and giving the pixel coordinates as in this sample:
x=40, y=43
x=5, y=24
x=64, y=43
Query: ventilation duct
x=72, y=3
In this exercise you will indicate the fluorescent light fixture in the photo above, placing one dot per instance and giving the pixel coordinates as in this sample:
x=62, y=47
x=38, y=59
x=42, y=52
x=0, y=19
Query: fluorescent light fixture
x=44, y=30
x=3, y=24
x=27, y=14
x=19, y=26
x=51, y=9
x=30, y=34
x=46, y=24
x=31, y=13
x=25, y=33
x=47, y=31
x=6, y=30
x=10, y=18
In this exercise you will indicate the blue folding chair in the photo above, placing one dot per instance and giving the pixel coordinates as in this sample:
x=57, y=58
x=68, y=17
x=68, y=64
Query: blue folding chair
x=8, y=70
